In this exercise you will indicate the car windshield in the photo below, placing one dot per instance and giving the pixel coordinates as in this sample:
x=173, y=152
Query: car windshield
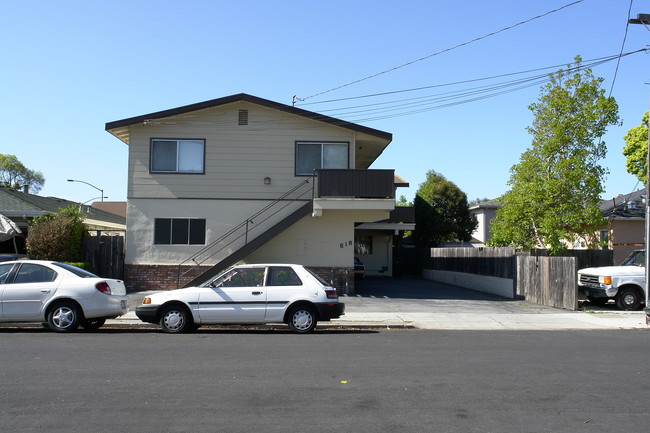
x=75, y=270
x=637, y=258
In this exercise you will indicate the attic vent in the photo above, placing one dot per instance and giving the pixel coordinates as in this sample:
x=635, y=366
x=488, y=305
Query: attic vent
x=243, y=117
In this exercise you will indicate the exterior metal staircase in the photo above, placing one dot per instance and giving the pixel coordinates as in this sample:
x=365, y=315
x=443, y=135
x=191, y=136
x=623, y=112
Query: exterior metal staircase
x=249, y=235
x=281, y=214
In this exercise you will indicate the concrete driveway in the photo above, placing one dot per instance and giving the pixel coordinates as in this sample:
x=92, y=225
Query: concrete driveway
x=419, y=303
x=417, y=295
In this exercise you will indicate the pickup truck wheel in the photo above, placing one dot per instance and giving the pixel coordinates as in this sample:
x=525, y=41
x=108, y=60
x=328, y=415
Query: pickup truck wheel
x=628, y=298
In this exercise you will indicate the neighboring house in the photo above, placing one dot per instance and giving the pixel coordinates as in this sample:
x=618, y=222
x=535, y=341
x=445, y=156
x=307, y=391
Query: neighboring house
x=22, y=207
x=245, y=179
x=625, y=230
x=114, y=207
x=484, y=213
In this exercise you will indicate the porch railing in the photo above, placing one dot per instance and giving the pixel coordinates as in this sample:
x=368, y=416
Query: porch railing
x=370, y=184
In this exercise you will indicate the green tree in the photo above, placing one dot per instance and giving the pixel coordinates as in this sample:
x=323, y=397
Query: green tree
x=441, y=212
x=556, y=186
x=57, y=237
x=13, y=174
x=402, y=201
x=636, y=150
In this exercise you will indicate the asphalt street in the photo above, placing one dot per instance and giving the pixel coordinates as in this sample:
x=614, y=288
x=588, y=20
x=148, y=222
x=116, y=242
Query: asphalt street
x=331, y=380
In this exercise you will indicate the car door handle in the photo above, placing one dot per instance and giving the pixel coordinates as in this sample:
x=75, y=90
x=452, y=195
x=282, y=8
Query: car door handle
x=257, y=293
x=45, y=290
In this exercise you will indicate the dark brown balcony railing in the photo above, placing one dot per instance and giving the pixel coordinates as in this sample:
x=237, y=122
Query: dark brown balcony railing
x=402, y=214
x=377, y=184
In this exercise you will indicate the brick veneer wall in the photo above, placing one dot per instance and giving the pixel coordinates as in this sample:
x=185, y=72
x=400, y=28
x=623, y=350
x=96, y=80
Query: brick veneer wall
x=338, y=277
x=165, y=277
x=157, y=277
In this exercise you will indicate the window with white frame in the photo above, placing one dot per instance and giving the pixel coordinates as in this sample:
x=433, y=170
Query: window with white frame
x=177, y=156
x=311, y=155
x=179, y=231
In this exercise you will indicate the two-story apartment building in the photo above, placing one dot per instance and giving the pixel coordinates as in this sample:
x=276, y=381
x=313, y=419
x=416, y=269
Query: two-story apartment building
x=242, y=178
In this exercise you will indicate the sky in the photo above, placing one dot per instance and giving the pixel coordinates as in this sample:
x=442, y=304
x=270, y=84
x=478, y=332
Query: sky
x=69, y=67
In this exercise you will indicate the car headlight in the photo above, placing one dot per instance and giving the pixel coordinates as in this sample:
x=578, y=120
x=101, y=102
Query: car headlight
x=607, y=280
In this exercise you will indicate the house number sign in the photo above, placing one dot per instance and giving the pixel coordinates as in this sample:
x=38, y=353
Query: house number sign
x=345, y=244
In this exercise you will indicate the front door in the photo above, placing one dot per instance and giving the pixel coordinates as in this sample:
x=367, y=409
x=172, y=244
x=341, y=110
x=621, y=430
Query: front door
x=235, y=297
x=23, y=298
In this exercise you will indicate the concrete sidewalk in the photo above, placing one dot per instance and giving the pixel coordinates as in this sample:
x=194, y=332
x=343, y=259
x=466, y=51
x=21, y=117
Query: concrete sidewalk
x=384, y=303
x=462, y=321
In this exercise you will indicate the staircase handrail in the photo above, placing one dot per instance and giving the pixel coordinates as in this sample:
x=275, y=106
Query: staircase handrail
x=193, y=258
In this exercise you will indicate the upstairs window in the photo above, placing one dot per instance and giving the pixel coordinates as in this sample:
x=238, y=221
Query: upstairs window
x=177, y=156
x=312, y=155
x=179, y=231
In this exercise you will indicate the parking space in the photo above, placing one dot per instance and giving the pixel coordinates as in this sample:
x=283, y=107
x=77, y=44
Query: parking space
x=417, y=295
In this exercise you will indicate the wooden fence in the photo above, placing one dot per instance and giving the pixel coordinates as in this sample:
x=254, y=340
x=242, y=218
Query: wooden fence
x=492, y=262
x=105, y=255
x=549, y=281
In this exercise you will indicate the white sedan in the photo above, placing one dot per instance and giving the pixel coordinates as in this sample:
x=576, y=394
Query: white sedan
x=247, y=294
x=63, y=296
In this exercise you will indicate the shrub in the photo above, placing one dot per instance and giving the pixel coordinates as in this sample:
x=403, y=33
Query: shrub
x=57, y=237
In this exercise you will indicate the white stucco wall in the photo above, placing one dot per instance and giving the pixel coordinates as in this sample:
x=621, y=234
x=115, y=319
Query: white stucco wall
x=481, y=283
x=324, y=241
x=221, y=216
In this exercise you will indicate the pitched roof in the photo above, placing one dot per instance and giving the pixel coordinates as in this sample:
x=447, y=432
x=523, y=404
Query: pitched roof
x=486, y=204
x=18, y=204
x=115, y=207
x=119, y=127
x=625, y=207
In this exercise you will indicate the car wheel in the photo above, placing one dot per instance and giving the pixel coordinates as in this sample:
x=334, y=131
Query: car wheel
x=175, y=319
x=93, y=324
x=64, y=317
x=628, y=299
x=302, y=319
x=598, y=302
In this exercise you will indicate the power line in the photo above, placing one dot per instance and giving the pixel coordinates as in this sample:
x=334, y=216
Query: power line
x=296, y=98
x=588, y=63
x=627, y=26
x=408, y=106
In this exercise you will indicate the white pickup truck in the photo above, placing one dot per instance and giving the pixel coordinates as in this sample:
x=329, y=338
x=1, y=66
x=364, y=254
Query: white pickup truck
x=624, y=284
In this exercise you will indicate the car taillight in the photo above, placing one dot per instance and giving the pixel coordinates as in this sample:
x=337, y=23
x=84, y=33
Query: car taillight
x=331, y=293
x=103, y=287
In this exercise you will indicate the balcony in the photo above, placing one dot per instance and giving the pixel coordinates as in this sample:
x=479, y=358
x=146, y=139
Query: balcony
x=402, y=214
x=364, y=184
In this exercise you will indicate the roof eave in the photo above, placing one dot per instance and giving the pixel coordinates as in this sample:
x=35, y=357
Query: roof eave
x=119, y=128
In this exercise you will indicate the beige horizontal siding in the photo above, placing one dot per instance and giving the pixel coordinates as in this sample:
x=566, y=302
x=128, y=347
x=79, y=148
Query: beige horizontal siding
x=237, y=158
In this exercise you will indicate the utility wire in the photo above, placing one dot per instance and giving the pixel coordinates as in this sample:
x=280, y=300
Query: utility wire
x=414, y=105
x=586, y=64
x=627, y=26
x=296, y=98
